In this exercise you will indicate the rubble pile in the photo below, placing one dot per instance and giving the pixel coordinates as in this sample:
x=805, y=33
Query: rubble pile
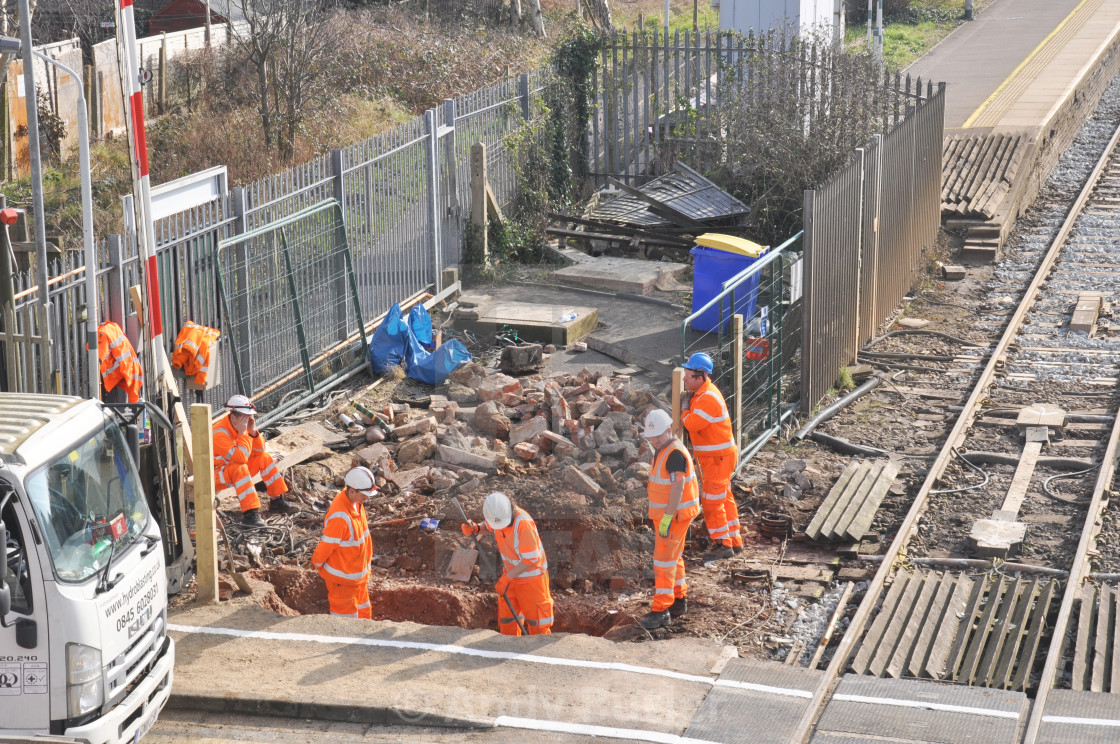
x=585, y=428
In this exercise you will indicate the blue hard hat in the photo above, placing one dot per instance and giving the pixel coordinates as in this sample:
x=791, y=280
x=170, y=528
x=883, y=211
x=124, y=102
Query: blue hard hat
x=700, y=361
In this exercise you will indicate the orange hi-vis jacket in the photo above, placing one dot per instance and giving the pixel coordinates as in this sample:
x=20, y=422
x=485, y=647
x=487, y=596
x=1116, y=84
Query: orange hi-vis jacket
x=708, y=423
x=119, y=364
x=344, y=553
x=660, y=485
x=192, y=350
x=519, y=542
x=230, y=448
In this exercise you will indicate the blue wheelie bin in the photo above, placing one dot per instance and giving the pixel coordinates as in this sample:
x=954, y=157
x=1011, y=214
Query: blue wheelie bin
x=717, y=258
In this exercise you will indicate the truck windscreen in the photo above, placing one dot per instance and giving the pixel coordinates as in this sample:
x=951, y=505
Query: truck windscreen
x=86, y=500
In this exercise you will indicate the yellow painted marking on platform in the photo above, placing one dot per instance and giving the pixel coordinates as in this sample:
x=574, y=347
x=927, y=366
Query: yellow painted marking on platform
x=1008, y=80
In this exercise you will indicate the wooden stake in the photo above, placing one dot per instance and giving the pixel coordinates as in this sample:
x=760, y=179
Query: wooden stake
x=206, y=541
x=478, y=198
x=678, y=388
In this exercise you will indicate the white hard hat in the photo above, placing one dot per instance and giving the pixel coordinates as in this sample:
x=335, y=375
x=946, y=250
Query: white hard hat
x=361, y=480
x=657, y=423
x=498, y=510
x=241, y=404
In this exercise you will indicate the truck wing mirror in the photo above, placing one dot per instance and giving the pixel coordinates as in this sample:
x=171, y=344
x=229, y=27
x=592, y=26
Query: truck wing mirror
x=5, y=593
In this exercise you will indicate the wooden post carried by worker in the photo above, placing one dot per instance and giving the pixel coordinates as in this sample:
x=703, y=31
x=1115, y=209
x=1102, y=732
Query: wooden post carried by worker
x=678, y=388
x=737, y=351
x=206, y=542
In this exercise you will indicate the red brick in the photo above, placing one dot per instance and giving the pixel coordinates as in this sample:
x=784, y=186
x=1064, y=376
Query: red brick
x=525, y=450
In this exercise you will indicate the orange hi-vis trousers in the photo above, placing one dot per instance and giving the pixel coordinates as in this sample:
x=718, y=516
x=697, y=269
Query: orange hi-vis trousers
x=240, y=478
x=349, y=600
x=721, y=514
x=532, y=601
x=668, y=566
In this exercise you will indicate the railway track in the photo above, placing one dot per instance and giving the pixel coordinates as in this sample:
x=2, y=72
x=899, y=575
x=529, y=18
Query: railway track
x=1021, y=485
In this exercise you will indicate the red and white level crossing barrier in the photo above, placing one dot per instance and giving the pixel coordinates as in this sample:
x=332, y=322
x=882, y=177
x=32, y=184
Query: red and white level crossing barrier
x=142, y=196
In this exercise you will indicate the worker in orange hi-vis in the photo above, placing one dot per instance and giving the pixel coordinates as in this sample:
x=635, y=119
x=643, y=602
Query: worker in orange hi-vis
x=524, y=599
x=713, y=445
x=674, y=501
x=344, y=554
x=239, y=454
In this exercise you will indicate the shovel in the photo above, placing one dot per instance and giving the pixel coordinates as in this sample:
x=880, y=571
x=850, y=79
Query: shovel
x=238, y=578
x=461, y=566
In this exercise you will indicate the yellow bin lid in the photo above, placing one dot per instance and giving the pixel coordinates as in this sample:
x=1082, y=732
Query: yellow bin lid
x=731, y=244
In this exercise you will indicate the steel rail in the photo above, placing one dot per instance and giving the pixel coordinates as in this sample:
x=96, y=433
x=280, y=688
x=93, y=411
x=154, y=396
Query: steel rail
x=1079, y=569
x=956, y=437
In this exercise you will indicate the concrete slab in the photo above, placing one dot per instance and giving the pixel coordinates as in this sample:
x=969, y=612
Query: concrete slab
x=559, y=324
x=997, y=538
x=619, y=274
x=756, y=703
x=909, y=710
x=239, y=658
x=646, y=329
x=1083, y=717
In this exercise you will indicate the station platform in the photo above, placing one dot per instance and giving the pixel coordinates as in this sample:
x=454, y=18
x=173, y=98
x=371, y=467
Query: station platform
x=1020, y=80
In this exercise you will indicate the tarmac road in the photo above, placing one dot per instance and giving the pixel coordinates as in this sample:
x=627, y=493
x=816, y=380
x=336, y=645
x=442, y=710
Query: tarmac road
x=191, y=727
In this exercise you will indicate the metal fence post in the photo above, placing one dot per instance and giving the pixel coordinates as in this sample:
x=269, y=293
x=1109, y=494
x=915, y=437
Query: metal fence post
x=523, y=92
x=242, y=328
x=453, y=220
x=339, y=269
x=432, y=129
x=808, y=324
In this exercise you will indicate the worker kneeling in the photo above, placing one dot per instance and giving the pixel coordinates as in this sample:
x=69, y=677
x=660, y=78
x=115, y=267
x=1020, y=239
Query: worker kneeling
x=343, y=556
x=524, y=600
x=674, y=501
x=239, y=454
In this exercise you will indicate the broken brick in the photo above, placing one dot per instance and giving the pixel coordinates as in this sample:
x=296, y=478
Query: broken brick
x=575, y=478
x=525, y=450
x=527, y=430
x=416, y=427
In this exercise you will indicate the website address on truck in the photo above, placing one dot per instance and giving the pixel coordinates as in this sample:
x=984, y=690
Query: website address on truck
x=133, y=591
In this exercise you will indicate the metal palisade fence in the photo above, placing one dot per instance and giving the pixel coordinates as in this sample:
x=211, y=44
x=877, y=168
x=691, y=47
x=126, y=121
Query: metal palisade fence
x=663, y=98
x=865, y=231
x=402, y=199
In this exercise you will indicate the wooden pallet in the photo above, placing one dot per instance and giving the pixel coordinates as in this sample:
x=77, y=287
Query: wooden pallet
x=949, y=627
x=1097, y=646
x=850, y=506
x=977, y=172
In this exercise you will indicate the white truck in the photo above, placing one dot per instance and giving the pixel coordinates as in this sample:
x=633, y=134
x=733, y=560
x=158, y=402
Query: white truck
x=84, y=650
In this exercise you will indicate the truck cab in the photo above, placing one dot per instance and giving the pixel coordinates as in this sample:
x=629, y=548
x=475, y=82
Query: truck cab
x=84, y=650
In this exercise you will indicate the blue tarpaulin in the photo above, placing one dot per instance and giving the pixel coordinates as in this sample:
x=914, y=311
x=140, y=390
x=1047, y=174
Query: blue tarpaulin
x=401, y=342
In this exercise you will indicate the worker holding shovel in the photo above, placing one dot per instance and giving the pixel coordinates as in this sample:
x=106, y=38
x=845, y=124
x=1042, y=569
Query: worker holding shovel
x=344, y=554
x=525, y=603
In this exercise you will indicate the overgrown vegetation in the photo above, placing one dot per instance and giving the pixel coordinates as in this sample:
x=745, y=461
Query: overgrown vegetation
x=791, y=113
x=550, y=152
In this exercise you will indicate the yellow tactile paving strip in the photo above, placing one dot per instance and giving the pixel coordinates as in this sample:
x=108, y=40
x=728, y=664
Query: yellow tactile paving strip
x=1054, y=62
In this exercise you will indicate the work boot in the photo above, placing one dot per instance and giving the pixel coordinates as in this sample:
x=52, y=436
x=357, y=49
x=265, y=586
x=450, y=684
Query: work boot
x=281, y=505
x=679, y=607
x=252, y=518
x=718, y=553
x=655, y=620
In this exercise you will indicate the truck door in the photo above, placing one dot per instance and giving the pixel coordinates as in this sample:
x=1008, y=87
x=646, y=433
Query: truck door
x=24, y=683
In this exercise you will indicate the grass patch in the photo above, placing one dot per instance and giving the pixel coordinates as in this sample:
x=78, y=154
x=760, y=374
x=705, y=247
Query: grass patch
x=911, y=34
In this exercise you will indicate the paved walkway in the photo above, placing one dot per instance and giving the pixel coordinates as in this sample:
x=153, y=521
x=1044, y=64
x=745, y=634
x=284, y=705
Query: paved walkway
x=239, y=658
x=1013, y=65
